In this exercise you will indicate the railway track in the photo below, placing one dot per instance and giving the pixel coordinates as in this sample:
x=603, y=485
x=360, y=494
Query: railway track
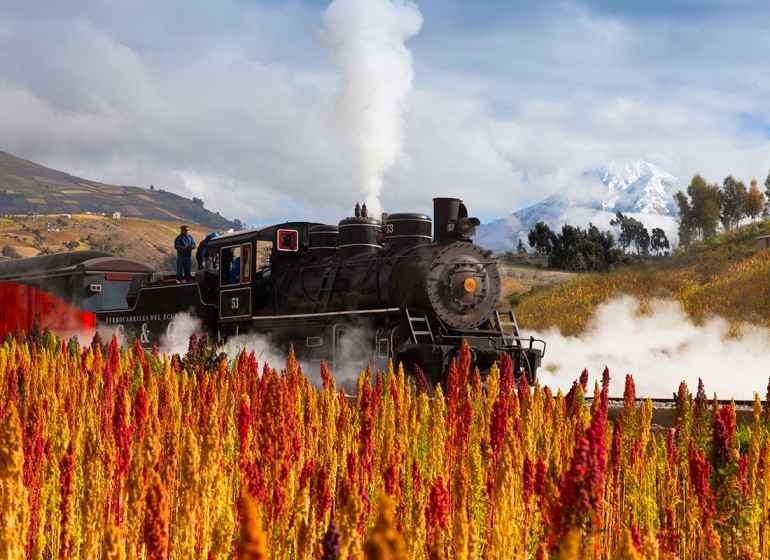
x=663, y=410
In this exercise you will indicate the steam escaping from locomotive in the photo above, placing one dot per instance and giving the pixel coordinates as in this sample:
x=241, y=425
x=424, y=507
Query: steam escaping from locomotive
x=660, y=348
x=369, y=39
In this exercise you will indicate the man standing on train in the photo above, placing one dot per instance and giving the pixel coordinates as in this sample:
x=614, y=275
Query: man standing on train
x=184, y=244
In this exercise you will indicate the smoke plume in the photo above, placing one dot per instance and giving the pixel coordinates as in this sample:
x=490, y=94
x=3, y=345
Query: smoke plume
x=660, y=347
x=369, y=40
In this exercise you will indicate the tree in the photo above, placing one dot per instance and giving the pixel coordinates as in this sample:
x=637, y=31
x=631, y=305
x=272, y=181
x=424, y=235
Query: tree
x=732, y=202
x=767, y=194
x=542, y=238
x=521, y=249
x=580, y=250
x=630, y=230
x=699, y=214
x=659, y=241
x=755, y=201
x=197, y=201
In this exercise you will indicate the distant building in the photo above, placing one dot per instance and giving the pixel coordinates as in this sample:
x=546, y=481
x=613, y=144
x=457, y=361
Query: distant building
x=32, y=215
x=116, y=215
x=762, y=242
x=66, y=216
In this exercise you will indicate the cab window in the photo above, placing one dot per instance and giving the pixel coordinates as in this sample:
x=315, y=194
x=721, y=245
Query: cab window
x=230, y=265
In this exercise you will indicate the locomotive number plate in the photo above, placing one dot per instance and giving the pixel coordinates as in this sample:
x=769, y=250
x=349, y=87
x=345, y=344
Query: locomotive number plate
x=235, y=303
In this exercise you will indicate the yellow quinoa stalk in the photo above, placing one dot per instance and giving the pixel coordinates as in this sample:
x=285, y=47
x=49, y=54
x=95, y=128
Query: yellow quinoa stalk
x=136, y=494
x=93, y=483
x=504, y=503
x=209, y=464
x=437, y=431
x=461, y=534
x=436, y=547
x=765, y=504
x=348, y=522
x=112, y=544
x=385, y=542
x=414, y=530
x=650, y=546
x=626, y=549
x=188, y=493
x=715, y=547
x=304, y=538
x=14, y=514
x=3, y=364
x=252, y=544
x=222, y=538
x=473, y=541
x=568, y=547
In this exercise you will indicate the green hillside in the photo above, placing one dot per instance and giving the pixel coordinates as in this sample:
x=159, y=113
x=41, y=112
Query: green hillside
x=727, y=277
x=27, y=187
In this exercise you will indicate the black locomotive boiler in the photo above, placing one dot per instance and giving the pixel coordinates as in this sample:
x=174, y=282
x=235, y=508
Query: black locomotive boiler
x=363, y=291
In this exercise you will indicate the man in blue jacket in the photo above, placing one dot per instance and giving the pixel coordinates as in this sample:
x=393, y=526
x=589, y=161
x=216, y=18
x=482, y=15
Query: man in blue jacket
x=184, y=244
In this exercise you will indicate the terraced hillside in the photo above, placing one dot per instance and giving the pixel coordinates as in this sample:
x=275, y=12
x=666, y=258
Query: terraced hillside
x=28, y=187
x=149, y=241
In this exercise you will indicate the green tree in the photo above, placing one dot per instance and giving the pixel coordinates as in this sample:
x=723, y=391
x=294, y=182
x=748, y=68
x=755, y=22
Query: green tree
x=584, y=250
x=542, y=238
x=755, y=201
x=658, y=241
x=521, y=249
x=767, y=194
x=699, y=211
x=631, y=231
x=732, y=202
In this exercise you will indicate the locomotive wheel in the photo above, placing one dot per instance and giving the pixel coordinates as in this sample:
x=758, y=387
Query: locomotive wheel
x=463, y=285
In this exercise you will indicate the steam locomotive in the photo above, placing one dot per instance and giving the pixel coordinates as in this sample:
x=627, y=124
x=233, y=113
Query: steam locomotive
x=363, y=291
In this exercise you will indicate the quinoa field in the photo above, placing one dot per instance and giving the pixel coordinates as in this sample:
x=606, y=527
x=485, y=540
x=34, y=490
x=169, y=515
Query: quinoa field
x=118, y=453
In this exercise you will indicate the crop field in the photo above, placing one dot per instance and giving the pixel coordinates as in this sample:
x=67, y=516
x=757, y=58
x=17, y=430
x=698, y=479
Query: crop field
x=110, y=452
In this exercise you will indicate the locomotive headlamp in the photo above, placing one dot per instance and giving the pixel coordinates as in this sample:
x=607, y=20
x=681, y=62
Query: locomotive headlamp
x=470, y=285
x=462, y=227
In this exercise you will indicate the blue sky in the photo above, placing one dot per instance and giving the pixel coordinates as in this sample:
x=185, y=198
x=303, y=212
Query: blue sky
x=502, y=103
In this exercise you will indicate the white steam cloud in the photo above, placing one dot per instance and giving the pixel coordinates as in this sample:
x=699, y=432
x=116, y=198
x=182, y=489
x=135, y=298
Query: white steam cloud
x=351, y=355
x=176, y=339
x=660, y=349
x=368, y=37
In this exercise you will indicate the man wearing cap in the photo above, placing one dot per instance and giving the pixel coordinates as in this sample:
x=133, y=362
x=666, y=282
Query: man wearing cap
x=184, y=244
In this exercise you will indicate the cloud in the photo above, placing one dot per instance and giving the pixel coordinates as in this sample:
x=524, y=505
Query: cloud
x=660, y=347
x=235, y=103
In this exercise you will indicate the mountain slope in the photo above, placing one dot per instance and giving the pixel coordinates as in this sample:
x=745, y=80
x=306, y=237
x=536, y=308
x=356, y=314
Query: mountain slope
x=726, y=277
x=28, y=187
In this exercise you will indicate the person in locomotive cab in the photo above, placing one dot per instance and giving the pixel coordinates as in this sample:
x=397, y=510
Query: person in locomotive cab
x=235, y=271
x=203, y=259
x=184, y=244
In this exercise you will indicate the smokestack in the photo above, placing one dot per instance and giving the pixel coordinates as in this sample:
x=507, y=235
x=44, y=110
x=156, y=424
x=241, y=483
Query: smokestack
x=445, y=210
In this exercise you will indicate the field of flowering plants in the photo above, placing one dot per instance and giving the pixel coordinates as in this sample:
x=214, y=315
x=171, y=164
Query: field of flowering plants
x=109, y=452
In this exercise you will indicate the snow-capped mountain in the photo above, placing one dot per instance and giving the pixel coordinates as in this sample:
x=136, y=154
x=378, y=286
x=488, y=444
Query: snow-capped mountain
x=634, y=187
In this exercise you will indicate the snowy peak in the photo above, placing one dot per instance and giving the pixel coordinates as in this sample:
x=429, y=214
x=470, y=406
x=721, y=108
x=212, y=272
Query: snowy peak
x=635, y=186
